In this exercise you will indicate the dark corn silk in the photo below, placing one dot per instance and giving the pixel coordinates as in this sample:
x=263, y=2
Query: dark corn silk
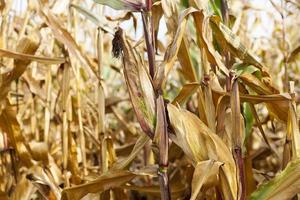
x=117, y=45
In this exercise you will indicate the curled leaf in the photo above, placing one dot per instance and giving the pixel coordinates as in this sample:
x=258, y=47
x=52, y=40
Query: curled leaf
x=200, y=143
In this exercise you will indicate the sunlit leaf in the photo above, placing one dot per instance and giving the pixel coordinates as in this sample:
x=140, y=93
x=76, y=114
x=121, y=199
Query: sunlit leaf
x=204, y=171
x=186, y=91
x=200, y=143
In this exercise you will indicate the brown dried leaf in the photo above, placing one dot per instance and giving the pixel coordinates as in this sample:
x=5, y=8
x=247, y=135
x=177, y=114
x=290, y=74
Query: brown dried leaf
x=205, y=171
x=140, y=143
x=27, y=46
x=104, y=182
x=30, y=57
x=200, y=143
x=10, y=125
x=65, y=37
x=185, y=60
x=186, y=91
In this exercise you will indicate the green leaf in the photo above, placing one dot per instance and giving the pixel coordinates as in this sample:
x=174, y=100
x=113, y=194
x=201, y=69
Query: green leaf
x=216, y=7
x=185, y=3
x=248, y=120
x=244, y=68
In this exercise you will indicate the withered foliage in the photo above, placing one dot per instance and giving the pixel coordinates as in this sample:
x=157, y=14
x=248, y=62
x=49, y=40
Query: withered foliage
x=149, y=99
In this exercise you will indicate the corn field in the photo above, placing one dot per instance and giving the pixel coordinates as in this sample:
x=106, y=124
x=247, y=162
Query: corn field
x=149, y=99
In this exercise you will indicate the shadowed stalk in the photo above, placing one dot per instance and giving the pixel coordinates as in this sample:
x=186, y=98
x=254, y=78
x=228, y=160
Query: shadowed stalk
x=48, y=106
x=237, y=136
x=284, y=50
x=149, y=44
x=293, y=135
x=161, y=133
x=101, y=102
x=225, y=17
x=148, y=4
x=79, y=82
x=65, y=91
x=161, y=138
x=101, y=97
x=224, y=10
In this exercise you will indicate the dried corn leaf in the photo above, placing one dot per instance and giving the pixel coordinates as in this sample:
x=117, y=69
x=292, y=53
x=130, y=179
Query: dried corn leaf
x=28, y=46
x=282, y=98
x=177, y=189
x=293, y=126
x=65, y=37
x=172, y=50
x=234, y=45
x=209, y=105
x=29, y=57
x=255, y=84
x=140, y=143
x=24, y=189
x=185, y=60
x=105, y=182
x=10, y=125
x=283, y=187
x=201, y=24
x=200, y=144
x=205, y=171
x=293, y=55
x=43, y=182
x=186, y=91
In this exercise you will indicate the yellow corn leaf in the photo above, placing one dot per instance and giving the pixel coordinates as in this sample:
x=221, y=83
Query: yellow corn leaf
x=234, y=45
x=172, y=50
x=201, y=23
x=255, y=84
x=185, y=60
x=29, y=57
x=200, y=143
x=293, y=125
x=293, y=55
x=186, y=91
x=283, y=187
x=140, y=143
x=10, y=125
x=28, y=46
x=65, y=37
x=205, y=171
x=23, y=190
x=105, y=182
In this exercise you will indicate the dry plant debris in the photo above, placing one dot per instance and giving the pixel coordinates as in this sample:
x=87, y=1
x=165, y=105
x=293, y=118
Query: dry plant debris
x=149, y=99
